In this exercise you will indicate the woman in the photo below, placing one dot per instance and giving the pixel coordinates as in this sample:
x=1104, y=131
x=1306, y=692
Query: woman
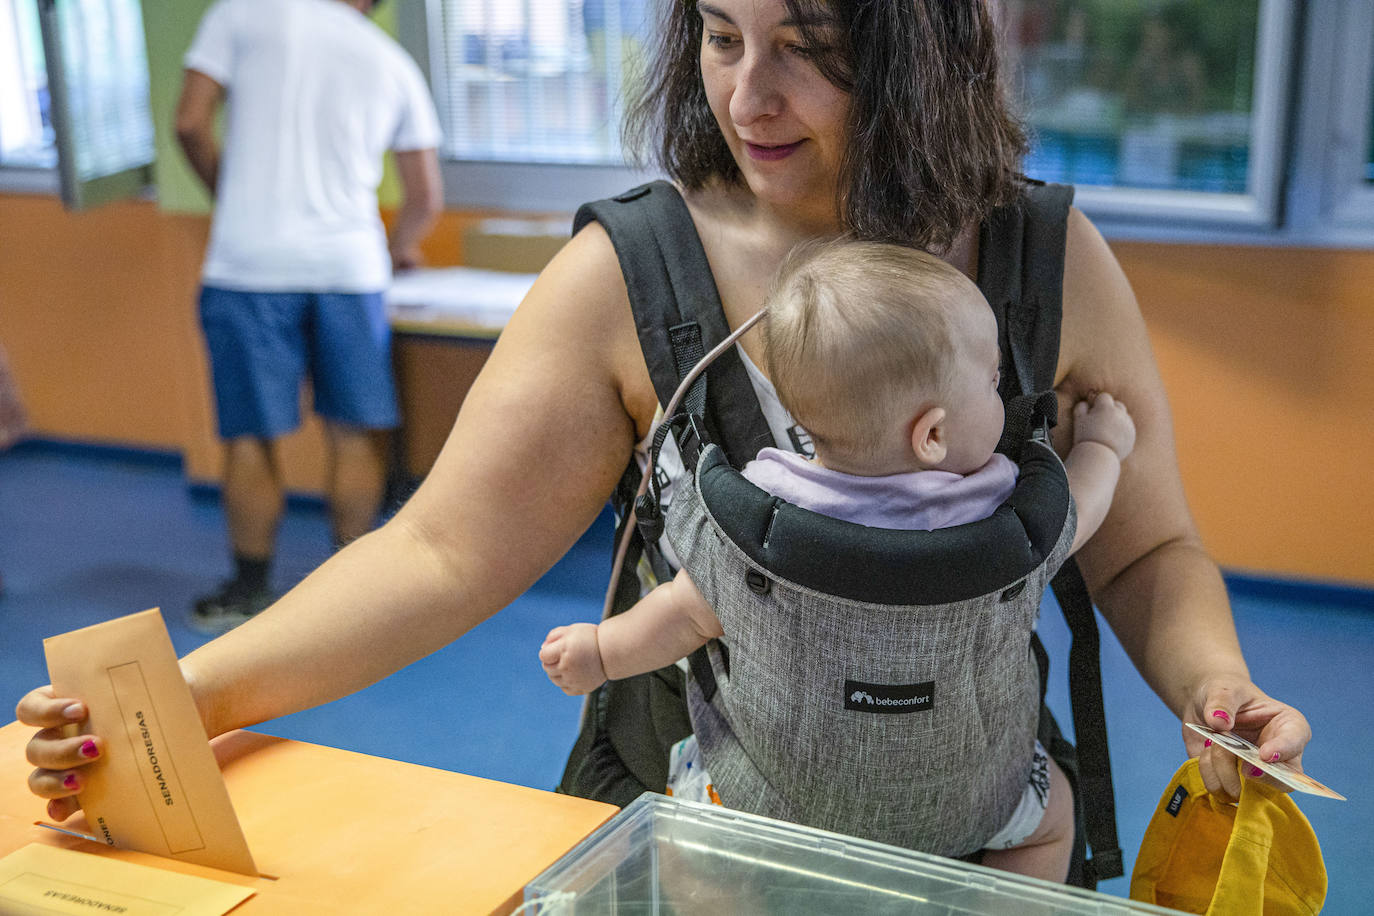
x=807, y=119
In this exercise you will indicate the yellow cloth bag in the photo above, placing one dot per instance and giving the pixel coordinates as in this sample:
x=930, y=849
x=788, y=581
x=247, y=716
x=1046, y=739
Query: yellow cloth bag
x=1204, y=855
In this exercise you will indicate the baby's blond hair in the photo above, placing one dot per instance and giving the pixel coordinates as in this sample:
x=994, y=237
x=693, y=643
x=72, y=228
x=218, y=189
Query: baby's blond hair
x=858, y=337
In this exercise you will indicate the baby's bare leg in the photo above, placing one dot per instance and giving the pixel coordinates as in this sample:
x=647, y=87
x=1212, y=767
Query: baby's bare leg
x=1046, y=852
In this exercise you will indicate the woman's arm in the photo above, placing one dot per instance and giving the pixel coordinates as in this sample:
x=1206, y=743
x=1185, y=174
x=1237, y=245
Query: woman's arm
x=1146, y=567
x=541, y=440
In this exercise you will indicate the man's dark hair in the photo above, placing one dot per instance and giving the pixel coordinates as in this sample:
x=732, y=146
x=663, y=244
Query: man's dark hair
x=933, y=145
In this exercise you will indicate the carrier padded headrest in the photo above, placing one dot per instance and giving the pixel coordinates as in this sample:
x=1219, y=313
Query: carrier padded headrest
x=886, y=566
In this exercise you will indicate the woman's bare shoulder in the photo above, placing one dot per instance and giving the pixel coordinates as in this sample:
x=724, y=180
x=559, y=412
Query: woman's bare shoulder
x=1102, y=337
x=578, y=313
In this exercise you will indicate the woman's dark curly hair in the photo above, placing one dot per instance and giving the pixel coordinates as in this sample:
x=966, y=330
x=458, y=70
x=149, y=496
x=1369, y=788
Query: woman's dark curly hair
x=933, y=145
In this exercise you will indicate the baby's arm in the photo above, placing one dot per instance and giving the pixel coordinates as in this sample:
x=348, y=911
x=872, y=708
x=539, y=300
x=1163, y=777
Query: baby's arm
x=1103, y=435
x=665, y=625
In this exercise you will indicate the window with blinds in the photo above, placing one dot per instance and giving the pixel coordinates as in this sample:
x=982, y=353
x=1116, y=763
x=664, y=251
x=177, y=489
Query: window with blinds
x=26, y=134
x=535, y=80
x=97, y=70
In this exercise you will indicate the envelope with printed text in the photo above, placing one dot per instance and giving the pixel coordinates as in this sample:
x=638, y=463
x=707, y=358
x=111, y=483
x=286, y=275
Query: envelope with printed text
x=157, y=787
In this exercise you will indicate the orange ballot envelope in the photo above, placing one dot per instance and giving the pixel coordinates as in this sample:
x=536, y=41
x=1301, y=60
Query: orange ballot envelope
x=43, y=881
x=157, y=787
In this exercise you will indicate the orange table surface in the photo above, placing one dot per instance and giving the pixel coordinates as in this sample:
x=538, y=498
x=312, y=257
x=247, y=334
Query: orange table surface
x=343, y=832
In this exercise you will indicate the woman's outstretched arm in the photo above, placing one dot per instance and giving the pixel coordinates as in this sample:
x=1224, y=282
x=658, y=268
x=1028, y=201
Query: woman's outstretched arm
x=538, y=446
x=1146, y=567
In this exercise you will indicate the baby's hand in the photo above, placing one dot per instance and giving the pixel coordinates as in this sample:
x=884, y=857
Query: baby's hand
x=1104, y=421
x=572, y=660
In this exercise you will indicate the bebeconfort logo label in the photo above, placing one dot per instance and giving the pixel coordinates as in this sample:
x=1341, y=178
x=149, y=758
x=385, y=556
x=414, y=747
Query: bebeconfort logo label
x=889, y=698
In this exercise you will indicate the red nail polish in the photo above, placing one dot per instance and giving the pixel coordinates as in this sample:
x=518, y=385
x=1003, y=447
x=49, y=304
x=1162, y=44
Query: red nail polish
x=1275, y=757
x=70, y=781
x=89, y=750
x=1256, y=772
x=1207, y=743
x=1221, y=714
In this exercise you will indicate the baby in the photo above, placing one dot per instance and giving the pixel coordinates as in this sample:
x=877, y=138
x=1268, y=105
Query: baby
x=888, y=357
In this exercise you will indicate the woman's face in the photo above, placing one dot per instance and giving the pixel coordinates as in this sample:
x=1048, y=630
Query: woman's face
x=785, y=123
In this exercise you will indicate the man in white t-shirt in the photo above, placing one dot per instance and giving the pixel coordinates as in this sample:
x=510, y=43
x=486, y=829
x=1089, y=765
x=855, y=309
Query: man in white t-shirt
x=315, y=94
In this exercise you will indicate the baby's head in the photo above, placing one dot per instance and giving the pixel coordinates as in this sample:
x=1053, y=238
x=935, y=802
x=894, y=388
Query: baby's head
x=887, y=356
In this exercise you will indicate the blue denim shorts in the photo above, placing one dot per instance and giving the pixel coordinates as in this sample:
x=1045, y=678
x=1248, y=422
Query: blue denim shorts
x=263, y=345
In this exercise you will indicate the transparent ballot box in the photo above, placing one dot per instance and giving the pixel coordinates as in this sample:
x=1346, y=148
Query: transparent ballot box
x=662, y=856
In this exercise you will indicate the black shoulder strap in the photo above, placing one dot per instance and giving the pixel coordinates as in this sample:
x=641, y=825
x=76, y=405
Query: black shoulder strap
x=677, y=310
x=679, y=318
x=1021, y=272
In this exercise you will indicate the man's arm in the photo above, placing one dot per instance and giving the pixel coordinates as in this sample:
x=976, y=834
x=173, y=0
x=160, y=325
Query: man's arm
x=423, y=190
x=195, y=125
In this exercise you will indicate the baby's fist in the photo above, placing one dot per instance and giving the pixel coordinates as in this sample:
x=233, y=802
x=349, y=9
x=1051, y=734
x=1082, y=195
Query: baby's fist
x=571, y=658
x=1106, y=421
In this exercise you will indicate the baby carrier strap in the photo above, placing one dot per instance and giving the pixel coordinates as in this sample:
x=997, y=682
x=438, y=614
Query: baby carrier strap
x=677, y=310
x=679, y=317
x=622, y=749
x=1024, y=284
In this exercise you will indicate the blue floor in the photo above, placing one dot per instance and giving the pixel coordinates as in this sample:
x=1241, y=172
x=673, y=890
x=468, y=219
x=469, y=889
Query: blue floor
x=86, y=536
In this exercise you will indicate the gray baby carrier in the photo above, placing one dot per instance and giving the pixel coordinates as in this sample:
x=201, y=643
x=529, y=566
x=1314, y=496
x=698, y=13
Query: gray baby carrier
x=874, y=682
x=629, y=725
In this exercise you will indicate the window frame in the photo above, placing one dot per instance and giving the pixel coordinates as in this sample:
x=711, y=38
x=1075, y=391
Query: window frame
x=1254, y=216
x=1314, y=63
x=1259, y=206
x=1331, y=199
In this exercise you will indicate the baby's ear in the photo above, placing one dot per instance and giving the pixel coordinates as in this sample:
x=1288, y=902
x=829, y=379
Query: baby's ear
x=928, y=437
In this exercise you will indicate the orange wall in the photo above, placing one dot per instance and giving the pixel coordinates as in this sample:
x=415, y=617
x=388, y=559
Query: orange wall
x=1265, y=352
x=1268, y=357
x=96, y=313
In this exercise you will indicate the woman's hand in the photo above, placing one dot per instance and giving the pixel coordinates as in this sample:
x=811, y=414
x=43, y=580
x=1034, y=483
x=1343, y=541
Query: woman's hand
x=58, y=759
x=1234, y=704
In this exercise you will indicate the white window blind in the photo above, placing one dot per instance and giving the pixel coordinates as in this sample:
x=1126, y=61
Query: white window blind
x=535, y=80
x=105, y=71
x=26, y=135
x=98, y=77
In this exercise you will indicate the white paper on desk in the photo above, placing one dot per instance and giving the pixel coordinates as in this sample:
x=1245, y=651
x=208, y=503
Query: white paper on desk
x=157, y=787
x=483, y=297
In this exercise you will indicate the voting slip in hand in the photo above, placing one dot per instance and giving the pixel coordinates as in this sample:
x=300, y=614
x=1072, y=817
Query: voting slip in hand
x=1280, y=771
x=157, y=788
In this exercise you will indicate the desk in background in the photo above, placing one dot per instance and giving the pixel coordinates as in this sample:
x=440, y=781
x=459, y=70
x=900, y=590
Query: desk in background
x=445, y=321
x=350, y=833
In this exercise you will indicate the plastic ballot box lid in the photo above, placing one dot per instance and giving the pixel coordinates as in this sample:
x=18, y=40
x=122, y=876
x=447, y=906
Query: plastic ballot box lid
x=663, y=855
